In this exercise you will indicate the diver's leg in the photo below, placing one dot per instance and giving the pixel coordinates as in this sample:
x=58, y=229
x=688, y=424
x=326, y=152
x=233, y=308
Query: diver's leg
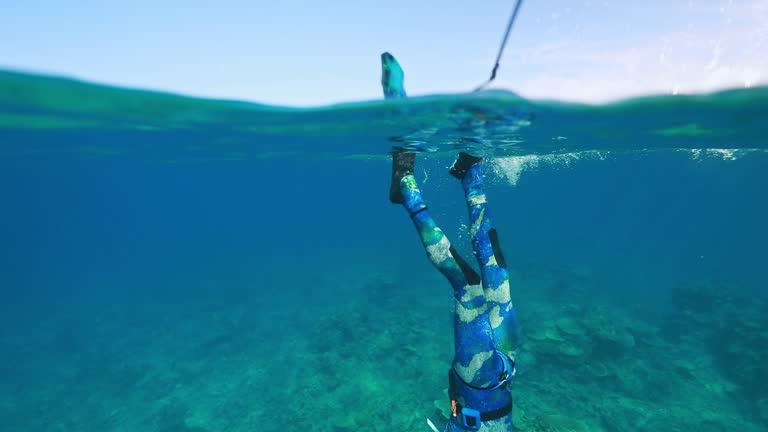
x=485, y=244
x=473, y=340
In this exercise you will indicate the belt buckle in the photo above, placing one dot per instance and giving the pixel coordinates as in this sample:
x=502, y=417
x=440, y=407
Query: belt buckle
x=469, y=418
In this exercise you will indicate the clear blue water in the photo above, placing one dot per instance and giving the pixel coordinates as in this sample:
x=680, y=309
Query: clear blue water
x=176, y=264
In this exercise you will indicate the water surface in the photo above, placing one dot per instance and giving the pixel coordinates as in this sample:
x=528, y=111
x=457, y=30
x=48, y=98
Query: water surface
x=178, y=264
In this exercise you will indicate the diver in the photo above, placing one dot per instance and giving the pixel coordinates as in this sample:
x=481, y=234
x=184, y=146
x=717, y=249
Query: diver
x=485, y=323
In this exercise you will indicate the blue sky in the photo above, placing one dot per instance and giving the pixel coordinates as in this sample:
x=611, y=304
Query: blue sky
x=304, y=53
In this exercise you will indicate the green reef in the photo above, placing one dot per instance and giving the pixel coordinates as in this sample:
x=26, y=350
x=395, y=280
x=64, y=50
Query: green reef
x=378, y=360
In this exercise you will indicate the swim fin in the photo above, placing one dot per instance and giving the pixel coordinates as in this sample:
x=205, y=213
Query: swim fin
x=464, y=162
x=402, y=165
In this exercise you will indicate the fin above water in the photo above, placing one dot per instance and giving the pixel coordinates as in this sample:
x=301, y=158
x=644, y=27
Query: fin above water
x=392, y=77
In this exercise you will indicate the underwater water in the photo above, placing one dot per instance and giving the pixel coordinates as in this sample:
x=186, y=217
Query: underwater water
x=177, y=264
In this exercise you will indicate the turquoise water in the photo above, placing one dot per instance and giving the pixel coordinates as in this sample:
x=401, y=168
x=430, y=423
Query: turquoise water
x=178, y=264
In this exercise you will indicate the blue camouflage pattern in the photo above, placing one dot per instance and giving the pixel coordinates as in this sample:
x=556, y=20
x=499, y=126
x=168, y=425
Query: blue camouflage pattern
x=484, y=317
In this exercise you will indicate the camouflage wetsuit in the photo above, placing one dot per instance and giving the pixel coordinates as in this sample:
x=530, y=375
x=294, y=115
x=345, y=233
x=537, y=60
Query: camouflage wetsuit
x=485, y=325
